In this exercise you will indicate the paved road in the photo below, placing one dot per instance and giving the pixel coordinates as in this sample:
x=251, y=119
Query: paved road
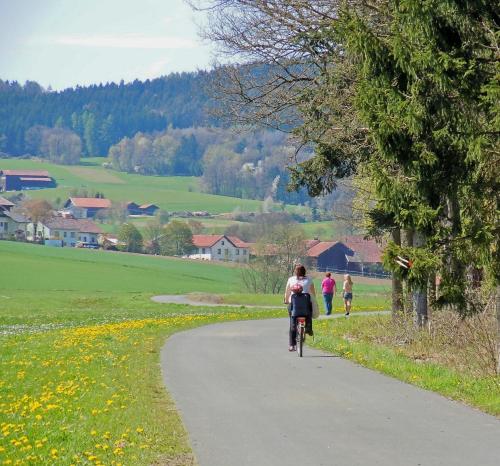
x=246, y=401
x=185, y=299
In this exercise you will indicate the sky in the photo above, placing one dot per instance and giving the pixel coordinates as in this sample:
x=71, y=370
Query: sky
x=62, y=43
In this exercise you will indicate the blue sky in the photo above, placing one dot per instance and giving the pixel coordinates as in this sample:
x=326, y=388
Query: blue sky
x=63, y=43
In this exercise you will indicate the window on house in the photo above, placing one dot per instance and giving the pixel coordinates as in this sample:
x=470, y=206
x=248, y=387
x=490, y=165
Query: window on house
x=72, y=234
x=65, y=234
x=237, y=252
x=219, y=251
x=84, y=239
x=222, y=243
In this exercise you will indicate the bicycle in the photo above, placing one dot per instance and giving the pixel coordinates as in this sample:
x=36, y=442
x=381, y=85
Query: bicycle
x=300, y=335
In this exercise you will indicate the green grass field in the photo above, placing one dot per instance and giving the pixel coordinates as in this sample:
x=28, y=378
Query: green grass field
x=173, y=193
x=36, y=268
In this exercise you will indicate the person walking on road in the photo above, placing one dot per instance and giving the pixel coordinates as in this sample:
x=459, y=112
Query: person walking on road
x=299, y=278
x=328, y=287
x=347, y=292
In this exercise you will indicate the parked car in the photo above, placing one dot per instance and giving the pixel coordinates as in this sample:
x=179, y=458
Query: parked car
x=81, y=244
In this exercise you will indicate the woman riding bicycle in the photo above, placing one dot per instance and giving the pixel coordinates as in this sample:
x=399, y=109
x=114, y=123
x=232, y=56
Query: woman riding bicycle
x=298, y=279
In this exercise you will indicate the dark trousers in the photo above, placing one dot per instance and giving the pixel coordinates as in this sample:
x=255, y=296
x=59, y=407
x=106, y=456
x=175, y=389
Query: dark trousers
x=292, y=335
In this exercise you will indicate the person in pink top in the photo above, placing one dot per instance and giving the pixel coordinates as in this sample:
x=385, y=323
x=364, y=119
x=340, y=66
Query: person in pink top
x=328, y=288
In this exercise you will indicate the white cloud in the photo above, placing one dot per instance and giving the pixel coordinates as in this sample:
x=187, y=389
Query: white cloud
x=125, y=41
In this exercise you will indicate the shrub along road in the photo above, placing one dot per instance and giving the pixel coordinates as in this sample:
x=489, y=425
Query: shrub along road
x=245, y=400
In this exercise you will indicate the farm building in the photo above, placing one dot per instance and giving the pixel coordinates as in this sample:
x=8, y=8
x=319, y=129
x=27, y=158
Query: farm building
x=148, y=209
x=86, y=207
x=220, y=247
x=16, y=180
x=68, y=230
x=366, y=257
x=132, y=208
x=328, y=255
x=352, y=254
x=5, y=203
x=144, y=209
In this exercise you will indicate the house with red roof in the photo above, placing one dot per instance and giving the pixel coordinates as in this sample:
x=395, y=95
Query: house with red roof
x=16, y=180
x=221, y=248
x=86, y=207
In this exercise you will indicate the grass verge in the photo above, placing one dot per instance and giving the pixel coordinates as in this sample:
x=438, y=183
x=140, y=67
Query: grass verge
x=358, y=339
x=374, y=302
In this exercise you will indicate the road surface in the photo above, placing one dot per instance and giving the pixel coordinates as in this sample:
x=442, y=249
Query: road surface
x=245, y=400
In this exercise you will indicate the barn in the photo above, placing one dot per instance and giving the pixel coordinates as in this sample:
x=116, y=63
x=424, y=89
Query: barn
x=328, y=255
x=17, y=180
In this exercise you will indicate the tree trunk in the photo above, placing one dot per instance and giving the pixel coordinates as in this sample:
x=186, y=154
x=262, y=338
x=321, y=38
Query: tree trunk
x=420, y=294
x=456, y=268
x=498, y=327
x=407, y=241
x=397, y=284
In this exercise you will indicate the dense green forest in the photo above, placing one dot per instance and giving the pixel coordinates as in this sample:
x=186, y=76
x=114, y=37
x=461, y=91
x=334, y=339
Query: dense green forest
x=101, y=115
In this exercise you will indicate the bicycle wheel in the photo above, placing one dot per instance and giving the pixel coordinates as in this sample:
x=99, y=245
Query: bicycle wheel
x=300, y=340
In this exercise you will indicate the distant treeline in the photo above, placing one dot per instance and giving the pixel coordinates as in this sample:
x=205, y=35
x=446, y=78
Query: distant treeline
x=101, y=115
x=246, y=165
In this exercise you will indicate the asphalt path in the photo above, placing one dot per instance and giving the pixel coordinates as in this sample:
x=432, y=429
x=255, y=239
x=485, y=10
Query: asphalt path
x=185, y=299
x=245, y=400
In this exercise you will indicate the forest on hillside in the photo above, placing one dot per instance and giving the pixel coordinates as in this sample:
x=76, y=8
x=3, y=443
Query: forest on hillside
x=100, y=115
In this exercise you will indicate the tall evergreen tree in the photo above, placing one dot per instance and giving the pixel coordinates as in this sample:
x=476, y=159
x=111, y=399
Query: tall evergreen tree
x=423, y=91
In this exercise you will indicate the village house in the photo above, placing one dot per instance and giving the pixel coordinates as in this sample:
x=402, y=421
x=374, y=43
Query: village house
x=86, y=207
x=16, y=180
x=12, y=224
x=69, y=231
x=221, y=248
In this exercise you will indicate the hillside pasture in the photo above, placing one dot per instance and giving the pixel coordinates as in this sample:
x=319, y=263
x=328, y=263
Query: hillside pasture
x=172, y=193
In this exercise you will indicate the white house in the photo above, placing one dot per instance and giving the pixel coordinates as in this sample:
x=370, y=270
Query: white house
x=68, y=230
x=220, y=247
